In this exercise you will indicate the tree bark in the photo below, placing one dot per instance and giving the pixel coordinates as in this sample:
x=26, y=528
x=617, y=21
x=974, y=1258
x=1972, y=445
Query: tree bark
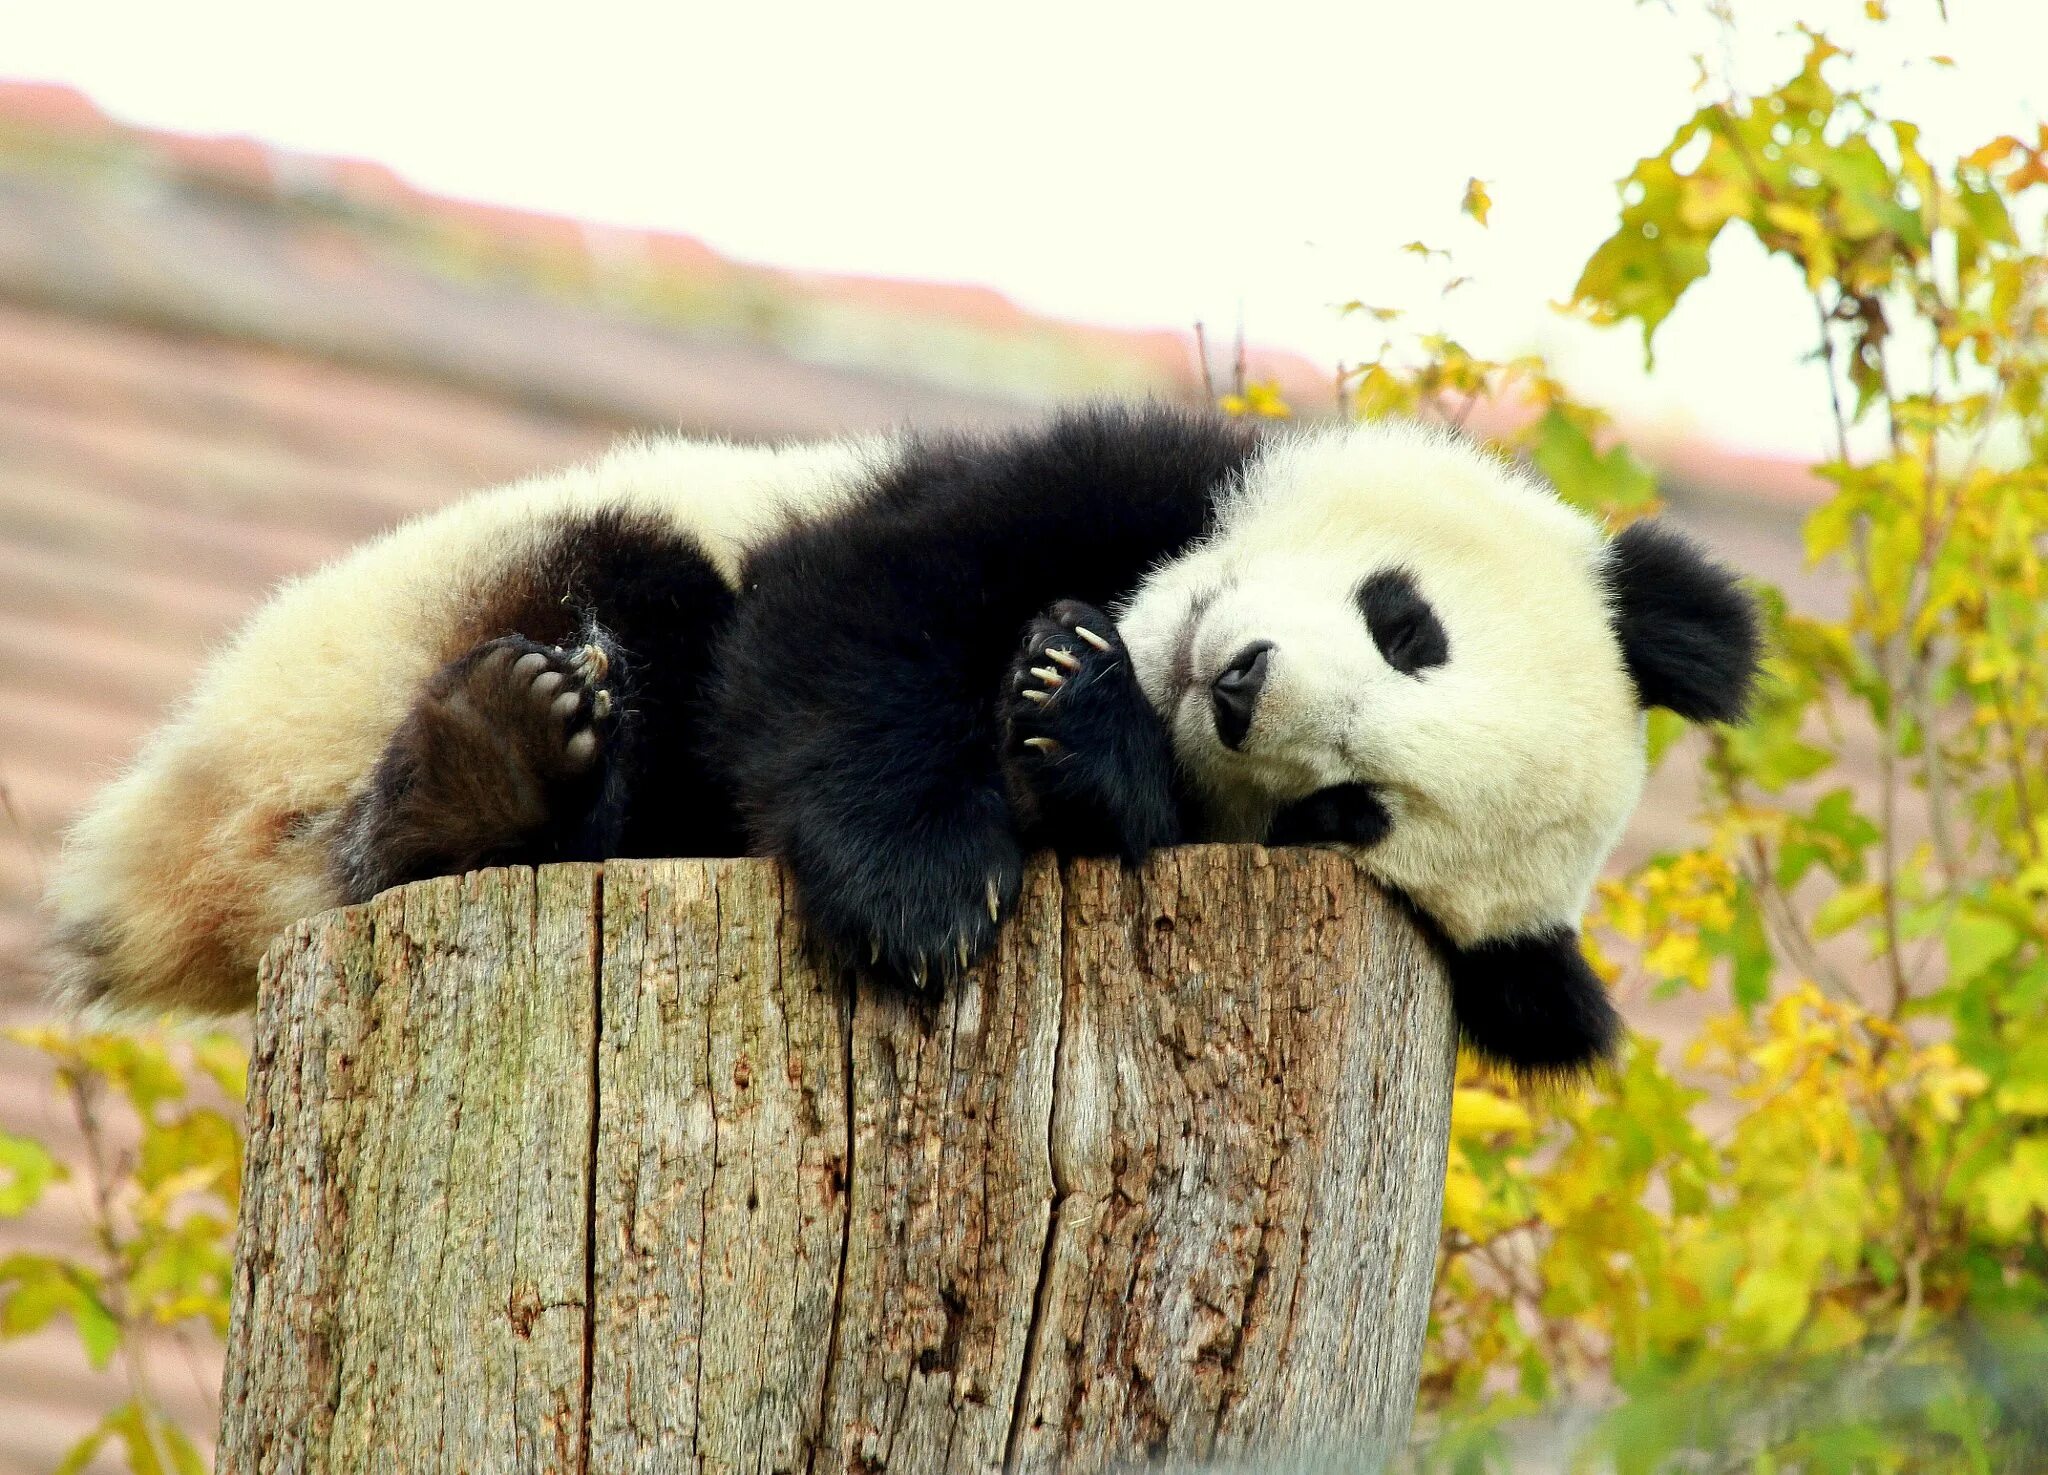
x=591, y=1169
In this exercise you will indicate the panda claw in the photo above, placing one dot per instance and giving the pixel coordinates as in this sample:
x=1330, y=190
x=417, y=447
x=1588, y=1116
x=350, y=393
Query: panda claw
x=920, y=972
x=601, y=704
x=1049, y=676
x=1063, y=657
x=960, y=947
x=995, y=901
x=1041, y=697
x=1091, y=637
x=874, y=950
x=1045, y=745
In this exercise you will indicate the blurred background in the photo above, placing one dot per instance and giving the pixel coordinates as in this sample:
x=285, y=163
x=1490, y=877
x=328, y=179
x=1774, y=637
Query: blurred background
x=273, y=278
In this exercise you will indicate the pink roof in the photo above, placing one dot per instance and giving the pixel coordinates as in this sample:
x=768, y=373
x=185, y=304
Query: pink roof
x=54, y=106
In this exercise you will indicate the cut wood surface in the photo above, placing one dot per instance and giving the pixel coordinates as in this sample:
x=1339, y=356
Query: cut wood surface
x=591, y=1169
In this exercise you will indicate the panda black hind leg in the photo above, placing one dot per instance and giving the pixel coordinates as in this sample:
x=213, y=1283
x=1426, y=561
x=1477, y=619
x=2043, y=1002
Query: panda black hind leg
x=1088, y=762
x=508, y=756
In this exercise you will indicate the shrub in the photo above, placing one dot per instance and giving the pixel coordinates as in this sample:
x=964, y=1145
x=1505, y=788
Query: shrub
x=1846, y=1270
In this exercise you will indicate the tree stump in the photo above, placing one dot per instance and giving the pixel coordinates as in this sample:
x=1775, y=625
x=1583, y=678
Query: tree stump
x=591, y=1169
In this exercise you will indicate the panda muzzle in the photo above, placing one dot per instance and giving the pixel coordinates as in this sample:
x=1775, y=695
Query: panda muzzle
x=1234, y=694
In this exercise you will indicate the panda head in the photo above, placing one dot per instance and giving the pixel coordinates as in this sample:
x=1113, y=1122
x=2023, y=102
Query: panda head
x=1394, y=608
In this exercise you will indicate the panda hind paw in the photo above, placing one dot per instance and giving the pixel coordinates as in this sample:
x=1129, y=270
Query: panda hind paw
x=555, y=705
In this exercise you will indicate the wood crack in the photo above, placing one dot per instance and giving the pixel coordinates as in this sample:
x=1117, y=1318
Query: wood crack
x=1041, y=1288
x=847, y=1013
x=590, y=1164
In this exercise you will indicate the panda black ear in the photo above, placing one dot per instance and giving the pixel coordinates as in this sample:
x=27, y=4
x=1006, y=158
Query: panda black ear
x=1687, y=630
x=1533, y=1004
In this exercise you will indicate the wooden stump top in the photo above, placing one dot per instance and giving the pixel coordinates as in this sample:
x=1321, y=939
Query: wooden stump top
x=590, y=1169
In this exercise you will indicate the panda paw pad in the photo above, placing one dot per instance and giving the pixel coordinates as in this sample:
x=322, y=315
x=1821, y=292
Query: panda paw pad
x=1062, y=658
x=551, y=702
x=1085, y=758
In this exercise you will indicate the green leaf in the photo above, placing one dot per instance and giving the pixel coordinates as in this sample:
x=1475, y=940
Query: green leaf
x=1827, y=528
x=1846, y=908
x=2010, y=1194
x=1749, y=952
x=185, y=1456
x=1660, y=247
x=1834, y=836
x=138, y=1066
x=130, y=1423
x=81, y=1454
x=1662, y=729
x=225, y=1060
x=26, y=1169
x=1771, y=1302
x=35, y=1288
x=1975, y=943
x=1583, y=476
x=199, y=1140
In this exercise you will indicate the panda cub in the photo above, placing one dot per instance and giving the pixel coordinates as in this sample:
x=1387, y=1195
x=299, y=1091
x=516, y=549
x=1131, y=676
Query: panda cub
x=901, y=664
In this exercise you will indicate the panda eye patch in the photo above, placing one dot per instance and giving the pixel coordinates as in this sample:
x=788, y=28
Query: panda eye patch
x=1404, y=627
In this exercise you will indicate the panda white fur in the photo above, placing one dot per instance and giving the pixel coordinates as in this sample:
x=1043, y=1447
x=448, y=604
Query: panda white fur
x=900, y=664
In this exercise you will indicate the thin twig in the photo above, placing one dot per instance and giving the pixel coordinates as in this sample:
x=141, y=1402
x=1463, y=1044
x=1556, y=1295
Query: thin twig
x=1881, y=656
x=2016, y=768
x=107, y=1233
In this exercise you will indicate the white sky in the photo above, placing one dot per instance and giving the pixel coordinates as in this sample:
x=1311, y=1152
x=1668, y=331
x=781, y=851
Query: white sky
x=1129, y=163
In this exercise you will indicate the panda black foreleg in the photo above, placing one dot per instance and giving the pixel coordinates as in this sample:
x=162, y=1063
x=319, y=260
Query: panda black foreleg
x=1343, y=814
x=1088, y=763
x=508, y=756
x=866, y=762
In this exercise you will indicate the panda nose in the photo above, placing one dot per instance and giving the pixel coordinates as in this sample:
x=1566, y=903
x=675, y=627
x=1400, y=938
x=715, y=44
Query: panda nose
x=1234, y=694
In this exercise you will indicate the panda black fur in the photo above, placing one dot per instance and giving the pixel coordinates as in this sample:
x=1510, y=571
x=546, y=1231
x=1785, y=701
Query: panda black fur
x=900, y=665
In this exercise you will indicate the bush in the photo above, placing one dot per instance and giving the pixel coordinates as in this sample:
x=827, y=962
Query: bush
x=162, y=1181
x=1848, y=1272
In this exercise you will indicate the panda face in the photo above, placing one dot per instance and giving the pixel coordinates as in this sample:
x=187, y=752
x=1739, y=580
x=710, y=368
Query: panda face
x=1396, y=608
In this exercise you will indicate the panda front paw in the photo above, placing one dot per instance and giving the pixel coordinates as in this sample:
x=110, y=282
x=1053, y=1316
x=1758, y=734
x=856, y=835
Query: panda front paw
x=1343, y=814
x=913, y=911
x=1088, y=762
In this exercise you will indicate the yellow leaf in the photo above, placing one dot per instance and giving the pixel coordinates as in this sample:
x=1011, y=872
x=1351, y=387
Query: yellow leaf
x=1482, y=1113
x=1991, y=153
x=2027, y=1098
x=1464, y=1197
x=1676, y=955
x=1771, y=1302
x=1949, y=1088
x=1261, y=399
x=2034, y=171
x=1477, y=201
x=2011, y=1193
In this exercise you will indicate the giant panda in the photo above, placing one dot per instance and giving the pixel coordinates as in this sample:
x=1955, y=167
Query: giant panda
x=900, y=664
